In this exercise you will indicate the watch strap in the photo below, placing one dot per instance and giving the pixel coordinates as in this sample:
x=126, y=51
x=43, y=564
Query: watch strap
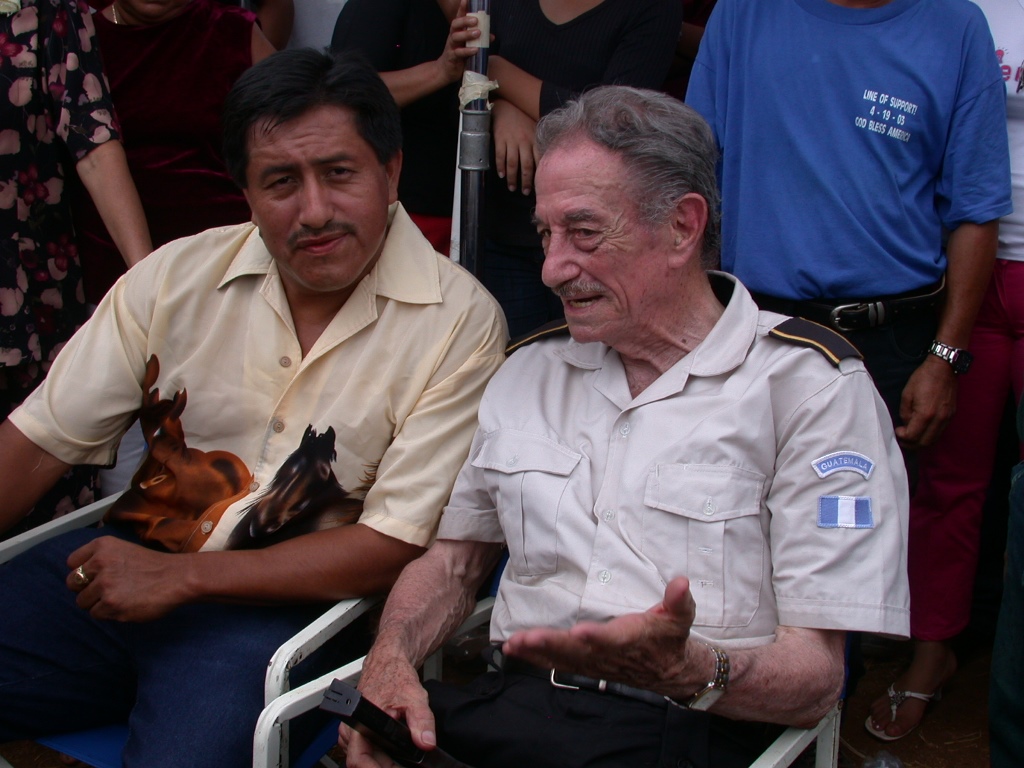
x=710, y=693
x=958, y=359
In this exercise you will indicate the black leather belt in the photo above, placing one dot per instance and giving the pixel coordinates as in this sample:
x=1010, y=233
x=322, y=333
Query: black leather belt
x=858, y=314
x=573, y=682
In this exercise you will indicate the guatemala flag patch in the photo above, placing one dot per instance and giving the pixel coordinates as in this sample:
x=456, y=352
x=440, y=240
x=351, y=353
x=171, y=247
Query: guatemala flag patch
x=845, y=512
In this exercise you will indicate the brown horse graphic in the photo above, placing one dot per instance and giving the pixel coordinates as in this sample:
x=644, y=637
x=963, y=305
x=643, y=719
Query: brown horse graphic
x=177, y=489
x=304, y=496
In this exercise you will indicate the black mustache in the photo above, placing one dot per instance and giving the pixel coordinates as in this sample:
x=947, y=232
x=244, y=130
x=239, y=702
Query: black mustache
x=308, y=233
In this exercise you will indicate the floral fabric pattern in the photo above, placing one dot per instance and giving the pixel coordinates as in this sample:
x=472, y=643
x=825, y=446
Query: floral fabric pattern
x=54, y=109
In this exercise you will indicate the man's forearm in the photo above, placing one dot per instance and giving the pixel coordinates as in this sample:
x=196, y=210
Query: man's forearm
x=431, y=598
x=929, y=398
x=26, y=473
x=793, y=681
x=134, y=583
x=349, y=561
x=970, y=253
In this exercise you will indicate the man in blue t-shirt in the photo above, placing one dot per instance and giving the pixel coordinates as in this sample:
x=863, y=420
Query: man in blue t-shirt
x=856, y=135
x=864, y=167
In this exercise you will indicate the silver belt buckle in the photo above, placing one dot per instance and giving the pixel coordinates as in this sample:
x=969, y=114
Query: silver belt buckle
x=875, y=309
x=601, y=684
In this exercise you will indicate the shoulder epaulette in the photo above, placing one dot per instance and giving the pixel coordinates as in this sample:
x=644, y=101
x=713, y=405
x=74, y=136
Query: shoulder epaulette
x=548, y=331
x=809, y=334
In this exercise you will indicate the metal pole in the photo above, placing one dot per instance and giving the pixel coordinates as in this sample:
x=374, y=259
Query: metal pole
x=474, y=147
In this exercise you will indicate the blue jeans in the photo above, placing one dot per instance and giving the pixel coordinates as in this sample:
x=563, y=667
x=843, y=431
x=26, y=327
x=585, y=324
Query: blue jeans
x=1006, y=687
x=189, y=684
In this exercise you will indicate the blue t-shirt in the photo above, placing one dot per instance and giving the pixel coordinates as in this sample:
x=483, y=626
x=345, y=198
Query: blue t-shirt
x=850, y=138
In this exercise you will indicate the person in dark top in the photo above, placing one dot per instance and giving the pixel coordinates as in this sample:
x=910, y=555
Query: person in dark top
x=544, y=53
x=418, y=46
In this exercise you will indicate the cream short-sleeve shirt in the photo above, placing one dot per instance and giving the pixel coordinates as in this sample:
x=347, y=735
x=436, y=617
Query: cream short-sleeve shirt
x=396, y=378
x=765, y=473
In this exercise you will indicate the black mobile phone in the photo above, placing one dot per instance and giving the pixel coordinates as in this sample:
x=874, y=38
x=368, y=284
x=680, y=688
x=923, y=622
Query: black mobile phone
x=386, y=732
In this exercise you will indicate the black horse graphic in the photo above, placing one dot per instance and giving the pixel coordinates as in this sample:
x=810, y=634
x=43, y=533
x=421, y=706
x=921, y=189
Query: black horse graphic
x=304, y=496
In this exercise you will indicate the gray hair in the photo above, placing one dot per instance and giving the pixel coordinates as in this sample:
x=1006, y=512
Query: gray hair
x=667, y=147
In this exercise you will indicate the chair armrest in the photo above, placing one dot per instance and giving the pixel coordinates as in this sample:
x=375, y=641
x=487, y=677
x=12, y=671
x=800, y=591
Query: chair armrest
x=267, y=742
x=793, y=741
x=481, y=614
x=270, y=740
x=309, y=639
x=80, y=518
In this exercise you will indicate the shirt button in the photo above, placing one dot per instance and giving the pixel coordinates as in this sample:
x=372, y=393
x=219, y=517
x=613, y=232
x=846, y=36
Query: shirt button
x=285, y=361
x=624, y=429
x=206, y=527
x=604, y=577
x=709, y=506
x=254, y=486
x=513, y=461
x=278, y=426
x=609, y=515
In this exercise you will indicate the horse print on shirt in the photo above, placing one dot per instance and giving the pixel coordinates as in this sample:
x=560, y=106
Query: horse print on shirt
x=179, y=494
x=304, y=496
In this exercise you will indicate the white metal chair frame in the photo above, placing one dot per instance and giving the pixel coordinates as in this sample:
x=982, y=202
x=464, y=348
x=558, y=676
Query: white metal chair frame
x=267, y=741
x=293, y=651
x=270, y=740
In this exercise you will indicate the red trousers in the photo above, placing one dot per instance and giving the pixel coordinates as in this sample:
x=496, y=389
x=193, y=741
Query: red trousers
x=954, y=473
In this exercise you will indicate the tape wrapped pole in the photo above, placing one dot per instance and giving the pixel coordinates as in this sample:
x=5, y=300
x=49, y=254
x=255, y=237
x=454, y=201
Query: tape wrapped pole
x=475, y=86
x=474, y=140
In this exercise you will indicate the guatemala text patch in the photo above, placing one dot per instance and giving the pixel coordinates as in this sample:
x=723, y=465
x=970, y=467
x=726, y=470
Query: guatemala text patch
x=843, y=461
x=845, y=512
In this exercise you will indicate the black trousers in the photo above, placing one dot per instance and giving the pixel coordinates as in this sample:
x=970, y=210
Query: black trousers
x=508, y=720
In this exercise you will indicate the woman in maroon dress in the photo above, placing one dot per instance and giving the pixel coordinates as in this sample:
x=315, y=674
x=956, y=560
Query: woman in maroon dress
x=170, y=64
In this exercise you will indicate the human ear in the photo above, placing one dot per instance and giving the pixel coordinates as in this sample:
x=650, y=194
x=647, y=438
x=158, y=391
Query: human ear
x=688, y=221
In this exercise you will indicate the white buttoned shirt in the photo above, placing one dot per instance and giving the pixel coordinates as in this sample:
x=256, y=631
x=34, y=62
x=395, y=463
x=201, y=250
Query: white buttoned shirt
x=756, y=467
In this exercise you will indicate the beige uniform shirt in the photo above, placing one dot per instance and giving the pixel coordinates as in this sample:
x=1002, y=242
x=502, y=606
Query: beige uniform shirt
x=754, y=466
x=393, y=382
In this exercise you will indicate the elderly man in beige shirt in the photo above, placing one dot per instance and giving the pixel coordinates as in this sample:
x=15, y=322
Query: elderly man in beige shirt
x=698, y=499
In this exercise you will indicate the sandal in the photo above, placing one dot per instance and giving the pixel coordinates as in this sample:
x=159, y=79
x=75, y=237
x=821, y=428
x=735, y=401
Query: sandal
x=896, y=699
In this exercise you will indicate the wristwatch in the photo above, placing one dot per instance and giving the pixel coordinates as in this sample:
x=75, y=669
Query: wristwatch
x=959, y=359
x=712, y=692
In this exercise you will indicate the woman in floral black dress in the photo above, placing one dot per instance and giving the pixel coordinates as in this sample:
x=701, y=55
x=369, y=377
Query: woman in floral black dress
x=54, y=111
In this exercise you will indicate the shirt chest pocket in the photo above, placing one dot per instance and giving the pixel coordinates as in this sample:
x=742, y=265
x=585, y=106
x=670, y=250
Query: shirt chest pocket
x=531, y=473
x=703, y=522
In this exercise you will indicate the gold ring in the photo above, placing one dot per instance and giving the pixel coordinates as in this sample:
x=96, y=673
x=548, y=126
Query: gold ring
x=79, y=578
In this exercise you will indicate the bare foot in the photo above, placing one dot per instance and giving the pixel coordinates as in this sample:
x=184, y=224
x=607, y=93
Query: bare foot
x=933, y=663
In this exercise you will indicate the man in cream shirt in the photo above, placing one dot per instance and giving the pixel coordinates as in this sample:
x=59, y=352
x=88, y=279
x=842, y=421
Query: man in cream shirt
x=308, y=387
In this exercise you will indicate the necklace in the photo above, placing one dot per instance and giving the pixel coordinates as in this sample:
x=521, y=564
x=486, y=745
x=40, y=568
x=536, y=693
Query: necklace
x=113, y=11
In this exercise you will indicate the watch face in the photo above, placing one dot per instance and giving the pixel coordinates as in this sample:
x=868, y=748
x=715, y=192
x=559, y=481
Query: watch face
x=705, y=699
x=962, y=361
